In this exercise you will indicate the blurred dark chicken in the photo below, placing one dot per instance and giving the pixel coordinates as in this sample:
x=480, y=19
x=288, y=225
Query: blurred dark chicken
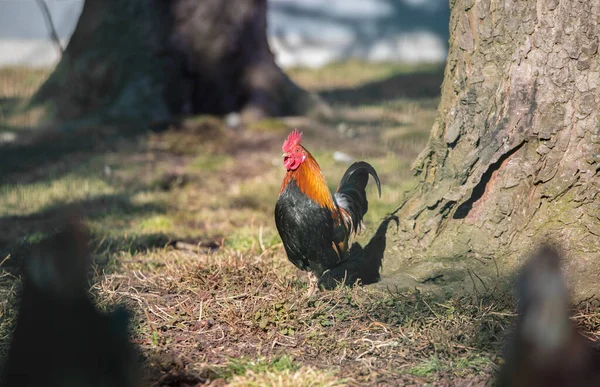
x=314, y=224
x=546, y=349
x=61, y=339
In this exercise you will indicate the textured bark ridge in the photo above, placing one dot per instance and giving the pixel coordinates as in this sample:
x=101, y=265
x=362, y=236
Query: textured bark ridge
x=151, y=60
x=514, y=153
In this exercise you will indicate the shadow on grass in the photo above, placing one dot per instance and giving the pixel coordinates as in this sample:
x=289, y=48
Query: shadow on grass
x=32, y=148
x=363, y=263
x=19, y=233
x=458, y=334
x=54, y=263
x=9, y=105
x=419, y=85
x=450, y=322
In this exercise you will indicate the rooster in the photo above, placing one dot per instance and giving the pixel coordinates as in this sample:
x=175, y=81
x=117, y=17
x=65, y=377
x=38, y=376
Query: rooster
x=314, y=224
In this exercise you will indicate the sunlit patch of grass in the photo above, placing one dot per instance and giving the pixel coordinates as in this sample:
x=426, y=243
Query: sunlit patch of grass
x=241, y=241
x=252, y=239
x=211, y=163
x=242, y=365
x=472, y=362
x=258, y=194
x=143, y=197
x=17, y=85
x=267, y=125
x=303, y=377
x=155, y=224
x=460, y=366
x=21, y=81
x=25, y=199
x=351, y=73
x=426, y=367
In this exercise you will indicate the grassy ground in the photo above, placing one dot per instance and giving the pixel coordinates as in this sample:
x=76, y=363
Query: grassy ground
x=183, y=233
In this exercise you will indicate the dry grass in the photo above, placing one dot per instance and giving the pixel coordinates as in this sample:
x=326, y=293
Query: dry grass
x=207, y=309
x=351, y=74
x=183, y=233
x=304, y=377
x=16, y=85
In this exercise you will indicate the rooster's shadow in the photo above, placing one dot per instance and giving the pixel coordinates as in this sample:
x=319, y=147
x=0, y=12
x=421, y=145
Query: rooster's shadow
x=363, y=263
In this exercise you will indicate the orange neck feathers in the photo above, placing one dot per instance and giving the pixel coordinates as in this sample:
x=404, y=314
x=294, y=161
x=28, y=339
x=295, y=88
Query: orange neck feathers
x=311, y=182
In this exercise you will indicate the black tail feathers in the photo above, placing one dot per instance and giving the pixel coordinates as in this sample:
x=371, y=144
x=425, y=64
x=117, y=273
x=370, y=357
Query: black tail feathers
x=351, y=194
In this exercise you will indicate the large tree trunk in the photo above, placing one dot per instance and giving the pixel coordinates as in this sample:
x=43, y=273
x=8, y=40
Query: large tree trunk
x=134, y=60
x=514, y=153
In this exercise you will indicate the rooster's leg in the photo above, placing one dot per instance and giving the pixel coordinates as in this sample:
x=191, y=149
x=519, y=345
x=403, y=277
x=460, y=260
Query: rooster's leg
x=313, y=284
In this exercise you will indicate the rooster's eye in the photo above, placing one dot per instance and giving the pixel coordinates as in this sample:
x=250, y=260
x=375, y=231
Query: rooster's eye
x=297, y=150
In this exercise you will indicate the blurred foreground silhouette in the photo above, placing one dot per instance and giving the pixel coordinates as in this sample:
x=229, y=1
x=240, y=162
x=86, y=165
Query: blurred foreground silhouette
x=546, y=349
x=61, y=339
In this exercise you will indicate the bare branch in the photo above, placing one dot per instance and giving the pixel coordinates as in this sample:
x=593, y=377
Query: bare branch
x=50, y=24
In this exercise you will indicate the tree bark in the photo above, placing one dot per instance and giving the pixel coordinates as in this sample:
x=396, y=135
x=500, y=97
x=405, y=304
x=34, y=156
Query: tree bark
x=514, y=153
x=134, y=60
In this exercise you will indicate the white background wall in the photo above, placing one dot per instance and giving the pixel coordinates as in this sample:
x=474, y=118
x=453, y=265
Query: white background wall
x=301, y=32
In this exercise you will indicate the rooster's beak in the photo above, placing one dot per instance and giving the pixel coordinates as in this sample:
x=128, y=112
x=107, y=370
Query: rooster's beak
x=285, y=154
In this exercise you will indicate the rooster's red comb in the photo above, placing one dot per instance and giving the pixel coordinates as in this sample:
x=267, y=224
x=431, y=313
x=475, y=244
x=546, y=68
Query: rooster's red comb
x=295, y=138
